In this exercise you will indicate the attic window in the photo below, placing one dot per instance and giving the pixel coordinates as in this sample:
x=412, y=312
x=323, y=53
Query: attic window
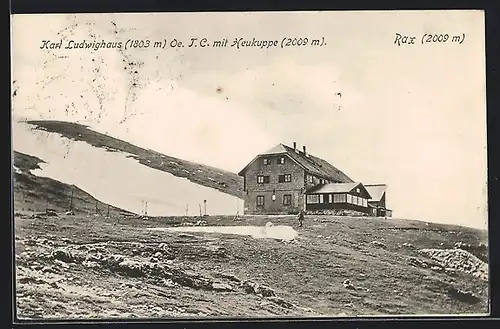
x=310, y=178
x=281, y=160
x=266, y=161
x=358, y=190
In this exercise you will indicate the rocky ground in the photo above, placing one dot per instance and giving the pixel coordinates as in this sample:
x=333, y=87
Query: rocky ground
x=90, y=266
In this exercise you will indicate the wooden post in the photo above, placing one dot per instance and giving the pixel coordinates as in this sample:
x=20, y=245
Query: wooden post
x=108, y=212
x=71, y=200
x=146, y=208
x=187, y=208
x=205, y=207
x=200, y=209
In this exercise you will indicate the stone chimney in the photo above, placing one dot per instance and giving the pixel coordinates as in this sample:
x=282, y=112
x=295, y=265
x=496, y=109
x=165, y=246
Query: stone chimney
x=294, y=146
x=304, y=149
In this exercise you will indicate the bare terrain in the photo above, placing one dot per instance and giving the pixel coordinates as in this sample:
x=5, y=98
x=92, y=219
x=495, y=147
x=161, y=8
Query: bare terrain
x=91, y=265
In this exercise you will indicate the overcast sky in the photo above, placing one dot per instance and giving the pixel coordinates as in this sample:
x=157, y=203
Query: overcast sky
x=412, y=116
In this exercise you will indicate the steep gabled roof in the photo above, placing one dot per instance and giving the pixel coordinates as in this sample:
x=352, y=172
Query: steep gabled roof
x=338, y=188
x=376, y=191
x=313, y=165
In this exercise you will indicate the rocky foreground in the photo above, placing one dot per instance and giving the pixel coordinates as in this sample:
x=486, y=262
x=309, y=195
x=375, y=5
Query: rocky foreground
x=71, y=266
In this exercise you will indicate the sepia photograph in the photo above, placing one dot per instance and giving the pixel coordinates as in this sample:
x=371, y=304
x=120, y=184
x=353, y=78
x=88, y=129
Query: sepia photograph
x=249, y=164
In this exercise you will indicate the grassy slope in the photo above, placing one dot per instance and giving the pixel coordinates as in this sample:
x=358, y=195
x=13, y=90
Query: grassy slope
x=35, y=194
x=219, y=179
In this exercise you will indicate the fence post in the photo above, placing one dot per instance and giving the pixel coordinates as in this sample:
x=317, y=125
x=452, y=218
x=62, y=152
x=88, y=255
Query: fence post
x=71, y=200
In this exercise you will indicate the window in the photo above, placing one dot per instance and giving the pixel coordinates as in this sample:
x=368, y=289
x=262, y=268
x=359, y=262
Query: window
x=360, y=201
x=354, y=199
x=260, y=200
x=285, y=178
x=310, y=178
x=357, y=190
x=312, y=198
x=266, y=161
x=262, y=179
x=287, y=199
x=339, y=198
x=321, y=198
x=349, y=198
x=330, y=198
x=281, y=160
x=365, y=202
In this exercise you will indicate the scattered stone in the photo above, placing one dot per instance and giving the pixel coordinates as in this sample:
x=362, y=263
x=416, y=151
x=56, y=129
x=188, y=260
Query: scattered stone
x=418, y=263
x=55, y=285
x=230, y=277
x=222, y=287
x=458, y=260
x=348, y=285
x=62, y=255
x=90, y=264
x=463, y=296
x=378, y=244
x=408, y=245
x=281, y=302
x=49, y=269
x=51, y=212
x=255, y=288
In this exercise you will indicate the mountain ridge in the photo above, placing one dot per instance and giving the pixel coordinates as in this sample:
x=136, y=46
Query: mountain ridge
x=204, y=175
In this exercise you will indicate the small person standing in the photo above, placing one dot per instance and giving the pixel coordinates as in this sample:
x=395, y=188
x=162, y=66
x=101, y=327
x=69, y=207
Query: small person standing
x=300, y=217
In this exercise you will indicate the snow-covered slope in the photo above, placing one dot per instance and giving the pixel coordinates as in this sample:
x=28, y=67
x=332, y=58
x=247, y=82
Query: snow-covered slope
x=116, y=179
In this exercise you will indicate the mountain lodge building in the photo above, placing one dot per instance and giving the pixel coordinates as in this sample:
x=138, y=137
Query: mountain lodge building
x=285, y=180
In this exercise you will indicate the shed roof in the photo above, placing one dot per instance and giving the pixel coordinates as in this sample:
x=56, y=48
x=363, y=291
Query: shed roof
x=312, y=164
x=376, y=191
x=338, y=188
